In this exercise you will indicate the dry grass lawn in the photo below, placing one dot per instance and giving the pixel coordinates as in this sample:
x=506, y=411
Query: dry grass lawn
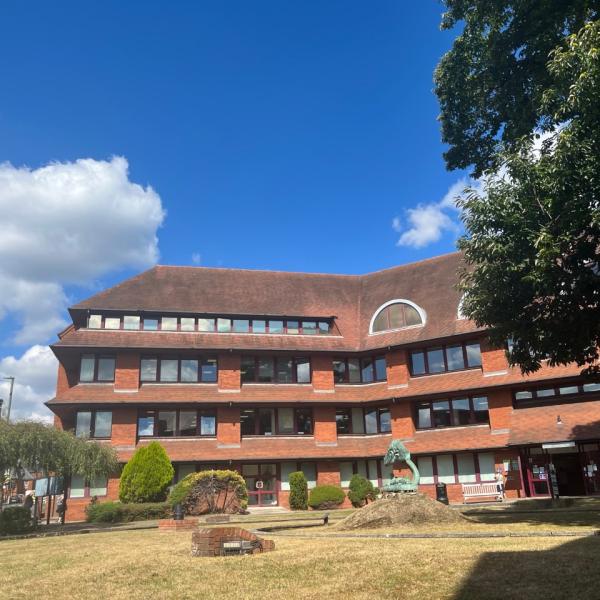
x=149, y=564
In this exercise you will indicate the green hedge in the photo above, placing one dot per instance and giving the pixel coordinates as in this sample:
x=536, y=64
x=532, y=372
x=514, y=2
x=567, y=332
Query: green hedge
x=298, y=491
x=16, y=519
x=117, y=512
x=361, y=490
x=326, y=496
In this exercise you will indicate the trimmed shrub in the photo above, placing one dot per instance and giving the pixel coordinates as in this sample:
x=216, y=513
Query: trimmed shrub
x=298, y=491
x=326, y=496
x=116, y=512
x=210, y=492
x=361, y=491
x=16, y=519
x=147, y=475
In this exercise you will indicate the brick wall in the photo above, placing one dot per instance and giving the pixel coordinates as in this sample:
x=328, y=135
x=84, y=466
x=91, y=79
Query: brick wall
x=328, y=473
x=492, y=359
x=127, y=371
x=397, y=367
x=500, y=408
x=228, y=425
x=229, y=371
x=324, y=426
x=322, y=372
x=124, y=426
x=403, y=425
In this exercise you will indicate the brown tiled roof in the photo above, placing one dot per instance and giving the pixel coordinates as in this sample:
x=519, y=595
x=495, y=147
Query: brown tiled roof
x=352, y=299
x=578, y=421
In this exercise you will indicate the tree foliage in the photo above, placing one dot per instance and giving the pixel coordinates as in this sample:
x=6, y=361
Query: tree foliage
x=491, y=84
x=298, y=491
x=533, y=240
x=147, y=475
x=361, y=490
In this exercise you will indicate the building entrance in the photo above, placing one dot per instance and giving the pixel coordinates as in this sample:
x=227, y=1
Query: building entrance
x=569, y=474
x=261, y=481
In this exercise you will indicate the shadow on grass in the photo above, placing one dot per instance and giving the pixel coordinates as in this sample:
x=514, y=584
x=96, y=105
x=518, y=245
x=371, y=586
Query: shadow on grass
x=568, y=571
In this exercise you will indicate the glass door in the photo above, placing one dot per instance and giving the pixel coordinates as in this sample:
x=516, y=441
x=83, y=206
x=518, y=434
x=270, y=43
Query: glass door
x=537, y=476
x=261, y=481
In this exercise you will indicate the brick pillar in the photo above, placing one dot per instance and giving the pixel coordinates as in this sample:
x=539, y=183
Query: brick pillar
x=322, y=372
x=493, y=360
x=397, y=367
x=127, y=371
x=328, y=473
x=403, y=425
x=65, y=379
x=500, y=407
x=228, y=425
x=325, y=429
x=229, y=371
x=124, y=426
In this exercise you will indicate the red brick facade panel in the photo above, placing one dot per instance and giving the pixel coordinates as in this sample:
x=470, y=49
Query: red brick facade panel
x=127, y=371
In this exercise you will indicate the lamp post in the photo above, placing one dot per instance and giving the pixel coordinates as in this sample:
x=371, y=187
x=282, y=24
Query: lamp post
x=10, y=394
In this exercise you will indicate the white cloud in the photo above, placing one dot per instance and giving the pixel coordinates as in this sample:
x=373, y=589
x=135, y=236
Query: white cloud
x=35, y=383
x=64, y=224
x=68, y=223
x=196, y=258
x=429, y=221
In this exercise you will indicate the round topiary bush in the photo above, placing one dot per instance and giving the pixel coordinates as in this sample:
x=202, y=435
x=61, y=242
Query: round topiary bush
x=15, y=519
x=325, y=497
x=298, y=491
x=211, y=492
x=361, y=490
x=147, y=475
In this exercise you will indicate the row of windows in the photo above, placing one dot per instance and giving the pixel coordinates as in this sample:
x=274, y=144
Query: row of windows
x=363, y=420
x=445, y=358
x=83, y=488
x=457, y=468
x=93, y=424
x=276, y=421
x=453, y=412
x=546, y=393
x=211, y=324
x=177, y=423
x=281, y=369
x=359, y=370
x=96, y=368
x=178, y=370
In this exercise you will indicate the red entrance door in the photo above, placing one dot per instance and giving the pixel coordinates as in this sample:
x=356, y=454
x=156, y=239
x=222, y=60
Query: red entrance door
x=537, y=476
x=261, y=481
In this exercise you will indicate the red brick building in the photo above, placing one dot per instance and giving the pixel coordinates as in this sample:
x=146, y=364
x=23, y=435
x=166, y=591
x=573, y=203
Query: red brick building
x=271, y=372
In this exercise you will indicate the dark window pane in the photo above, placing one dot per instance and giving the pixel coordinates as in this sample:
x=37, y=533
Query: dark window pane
x=86, y=371
x=366, y=370
x=148, y=369
x=424, y=416
x=265, y=370
x=353, y=370
x=275, y=326
x=381, y=321
x=223, y=325
x=168, y=369
x=304, y=420
x=166, y=423
x=523, y=395
x=209, y=370
x=418, y=362
x=385, y=420
x=106, y=369
x=259, y=326
x=208, y=424
x=342, y=420
x=545, y=393
x=461, y=412
x=285, y=420
x=266, y=421
x=473, y=355
x=241, y=325
x=284, y=370
x=248, y=370
x=146, y=423
x=189, y=370
x=309, y=327
x=380, y=371
x=323, y=327
x=396, y=316
x=103, y=424
x=371, y=421
x=411, y=316
x=303, y=370
x=293, y=327
x=83, y=424
x=188, y=422
x=339, y=371
x=441, y=413
x=455, y=358
x=248, y=422
x=570, y=389
x=150, y=324
x=435, y=360
x=480, y=407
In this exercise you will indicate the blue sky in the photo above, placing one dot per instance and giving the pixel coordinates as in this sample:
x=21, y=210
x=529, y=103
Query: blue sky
x=274, y=135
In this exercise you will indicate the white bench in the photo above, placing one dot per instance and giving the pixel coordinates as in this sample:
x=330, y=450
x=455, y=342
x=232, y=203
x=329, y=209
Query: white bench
x=481, y=490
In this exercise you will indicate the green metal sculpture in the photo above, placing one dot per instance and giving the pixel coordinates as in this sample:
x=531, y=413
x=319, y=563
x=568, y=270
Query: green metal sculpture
x=397, y=452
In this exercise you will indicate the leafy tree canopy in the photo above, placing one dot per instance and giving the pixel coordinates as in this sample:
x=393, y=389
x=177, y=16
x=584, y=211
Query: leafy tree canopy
x=534, y=231
x=492, y=82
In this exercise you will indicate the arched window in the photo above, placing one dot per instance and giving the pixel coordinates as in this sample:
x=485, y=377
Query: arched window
x=397, y=314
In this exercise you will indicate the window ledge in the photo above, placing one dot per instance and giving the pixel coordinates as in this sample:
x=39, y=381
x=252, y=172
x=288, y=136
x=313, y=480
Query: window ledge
x=178, y=438
x=455, y=372
x=179, y=383
x=383, y=381
x=258, y=383
x=96, y=383
x=450, y=428
x=280, y=436
x=364, y=435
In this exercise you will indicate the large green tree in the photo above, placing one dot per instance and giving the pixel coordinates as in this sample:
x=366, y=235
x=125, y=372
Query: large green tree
x=492, y=82
x=533, y=233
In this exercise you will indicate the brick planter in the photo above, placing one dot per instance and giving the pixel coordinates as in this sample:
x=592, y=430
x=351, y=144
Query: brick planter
x=210, y=542
x=173, y=525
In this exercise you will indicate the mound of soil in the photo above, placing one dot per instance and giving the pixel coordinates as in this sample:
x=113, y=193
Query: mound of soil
x=403, y=509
